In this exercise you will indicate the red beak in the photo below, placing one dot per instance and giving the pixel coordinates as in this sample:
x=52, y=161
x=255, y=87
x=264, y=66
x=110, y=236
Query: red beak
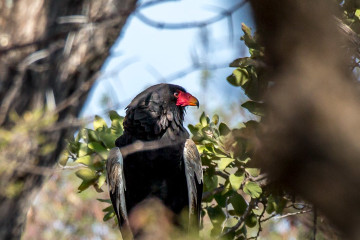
x=186, y=99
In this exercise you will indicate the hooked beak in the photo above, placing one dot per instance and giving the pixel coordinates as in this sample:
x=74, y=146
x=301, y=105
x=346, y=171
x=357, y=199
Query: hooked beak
x=193, y=101
x=186, y=99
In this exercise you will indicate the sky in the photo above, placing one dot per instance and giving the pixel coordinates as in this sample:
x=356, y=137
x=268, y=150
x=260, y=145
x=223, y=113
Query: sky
x=144, y=55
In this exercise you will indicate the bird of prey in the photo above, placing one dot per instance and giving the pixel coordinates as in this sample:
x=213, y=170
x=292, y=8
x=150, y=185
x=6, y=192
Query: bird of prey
x=155, y=157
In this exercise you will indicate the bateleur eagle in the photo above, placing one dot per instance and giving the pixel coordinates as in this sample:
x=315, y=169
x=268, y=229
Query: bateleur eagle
x=167, y=164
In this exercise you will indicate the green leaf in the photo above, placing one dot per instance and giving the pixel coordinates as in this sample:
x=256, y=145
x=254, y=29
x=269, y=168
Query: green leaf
x=210, y=181
x=210, y=147
x=83, y=150
x=224, y=129
x=99, y=122
x=92, y=135
x=86, y=174
x=203, y=120
x=254, y=107
x=357, y=13
x=116, y=127
x=108, y=216
x=271, y=205
x=104, y=200
x=216, y=215
x=193, y=129
x=108, y=139
x=222, y=196
x=99, y=165
x=239, y=204
x=239, y=77
x=73, y=147
x=254, y=172
x=215, y=119
x=108, y=209
x=230, y=222
x=116, y=123
x=82, y=134
x=101, y=180
x=87, y=160
x=114, y=115
x=224, y=162
x=98, y=148
x=251, y=220
x=236, y=180
x=253, y=189
x=84, y=185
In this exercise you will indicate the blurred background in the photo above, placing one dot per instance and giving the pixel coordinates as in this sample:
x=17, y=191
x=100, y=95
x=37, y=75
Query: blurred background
x=72, y=60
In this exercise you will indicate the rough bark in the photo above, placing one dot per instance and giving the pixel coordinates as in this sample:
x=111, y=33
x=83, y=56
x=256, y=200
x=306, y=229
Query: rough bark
x=310, y=142
x=49, y=50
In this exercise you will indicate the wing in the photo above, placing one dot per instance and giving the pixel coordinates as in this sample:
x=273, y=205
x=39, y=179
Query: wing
x=116, y=182
x=194, y=178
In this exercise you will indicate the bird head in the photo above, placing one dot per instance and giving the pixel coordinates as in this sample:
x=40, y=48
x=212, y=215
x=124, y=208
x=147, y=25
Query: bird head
x=158, y=108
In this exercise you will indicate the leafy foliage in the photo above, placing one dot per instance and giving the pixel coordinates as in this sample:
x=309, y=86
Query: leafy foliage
x=25, y=139
x=236, y=196
x=228, y=184
x=89, y=149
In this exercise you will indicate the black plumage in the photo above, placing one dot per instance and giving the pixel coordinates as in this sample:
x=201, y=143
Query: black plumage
x=170, y=169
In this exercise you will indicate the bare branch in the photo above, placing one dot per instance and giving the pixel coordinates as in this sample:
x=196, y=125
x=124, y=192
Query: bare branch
x=213, y=192
x=175, y=26
x=103, y=22
x=80, y=165
x=293, y=214
x=153, y=3
x=84, y=88
x=222, y=174
x=268, y=218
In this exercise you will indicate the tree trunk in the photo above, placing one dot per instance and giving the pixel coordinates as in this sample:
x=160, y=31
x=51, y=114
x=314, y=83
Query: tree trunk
x=310, y=142
x=50, y=55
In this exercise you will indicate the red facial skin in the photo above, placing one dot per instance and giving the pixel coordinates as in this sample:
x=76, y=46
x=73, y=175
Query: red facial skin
x=185, y=99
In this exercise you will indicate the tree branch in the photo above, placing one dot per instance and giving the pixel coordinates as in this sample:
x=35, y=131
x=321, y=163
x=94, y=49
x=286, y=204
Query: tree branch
x=259, y=222
x=213, y=192
x=252, y=204
x=175, y=26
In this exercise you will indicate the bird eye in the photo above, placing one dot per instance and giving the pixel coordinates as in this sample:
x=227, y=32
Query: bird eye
x=176, y=94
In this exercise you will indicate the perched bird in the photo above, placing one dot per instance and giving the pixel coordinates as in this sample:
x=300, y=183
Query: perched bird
x=155, y=158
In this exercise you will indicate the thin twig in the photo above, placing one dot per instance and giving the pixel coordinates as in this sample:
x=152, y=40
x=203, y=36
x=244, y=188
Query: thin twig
x=222, y=174
x=77, y=94
x=153, y=3
x=174, y=26
x=213, y=192
x=268, y=218
x=259, y=222
x=249, y=208
x=77, y=166
x=293, y=214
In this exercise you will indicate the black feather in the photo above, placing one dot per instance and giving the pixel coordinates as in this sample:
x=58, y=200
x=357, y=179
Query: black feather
x=159, y=172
